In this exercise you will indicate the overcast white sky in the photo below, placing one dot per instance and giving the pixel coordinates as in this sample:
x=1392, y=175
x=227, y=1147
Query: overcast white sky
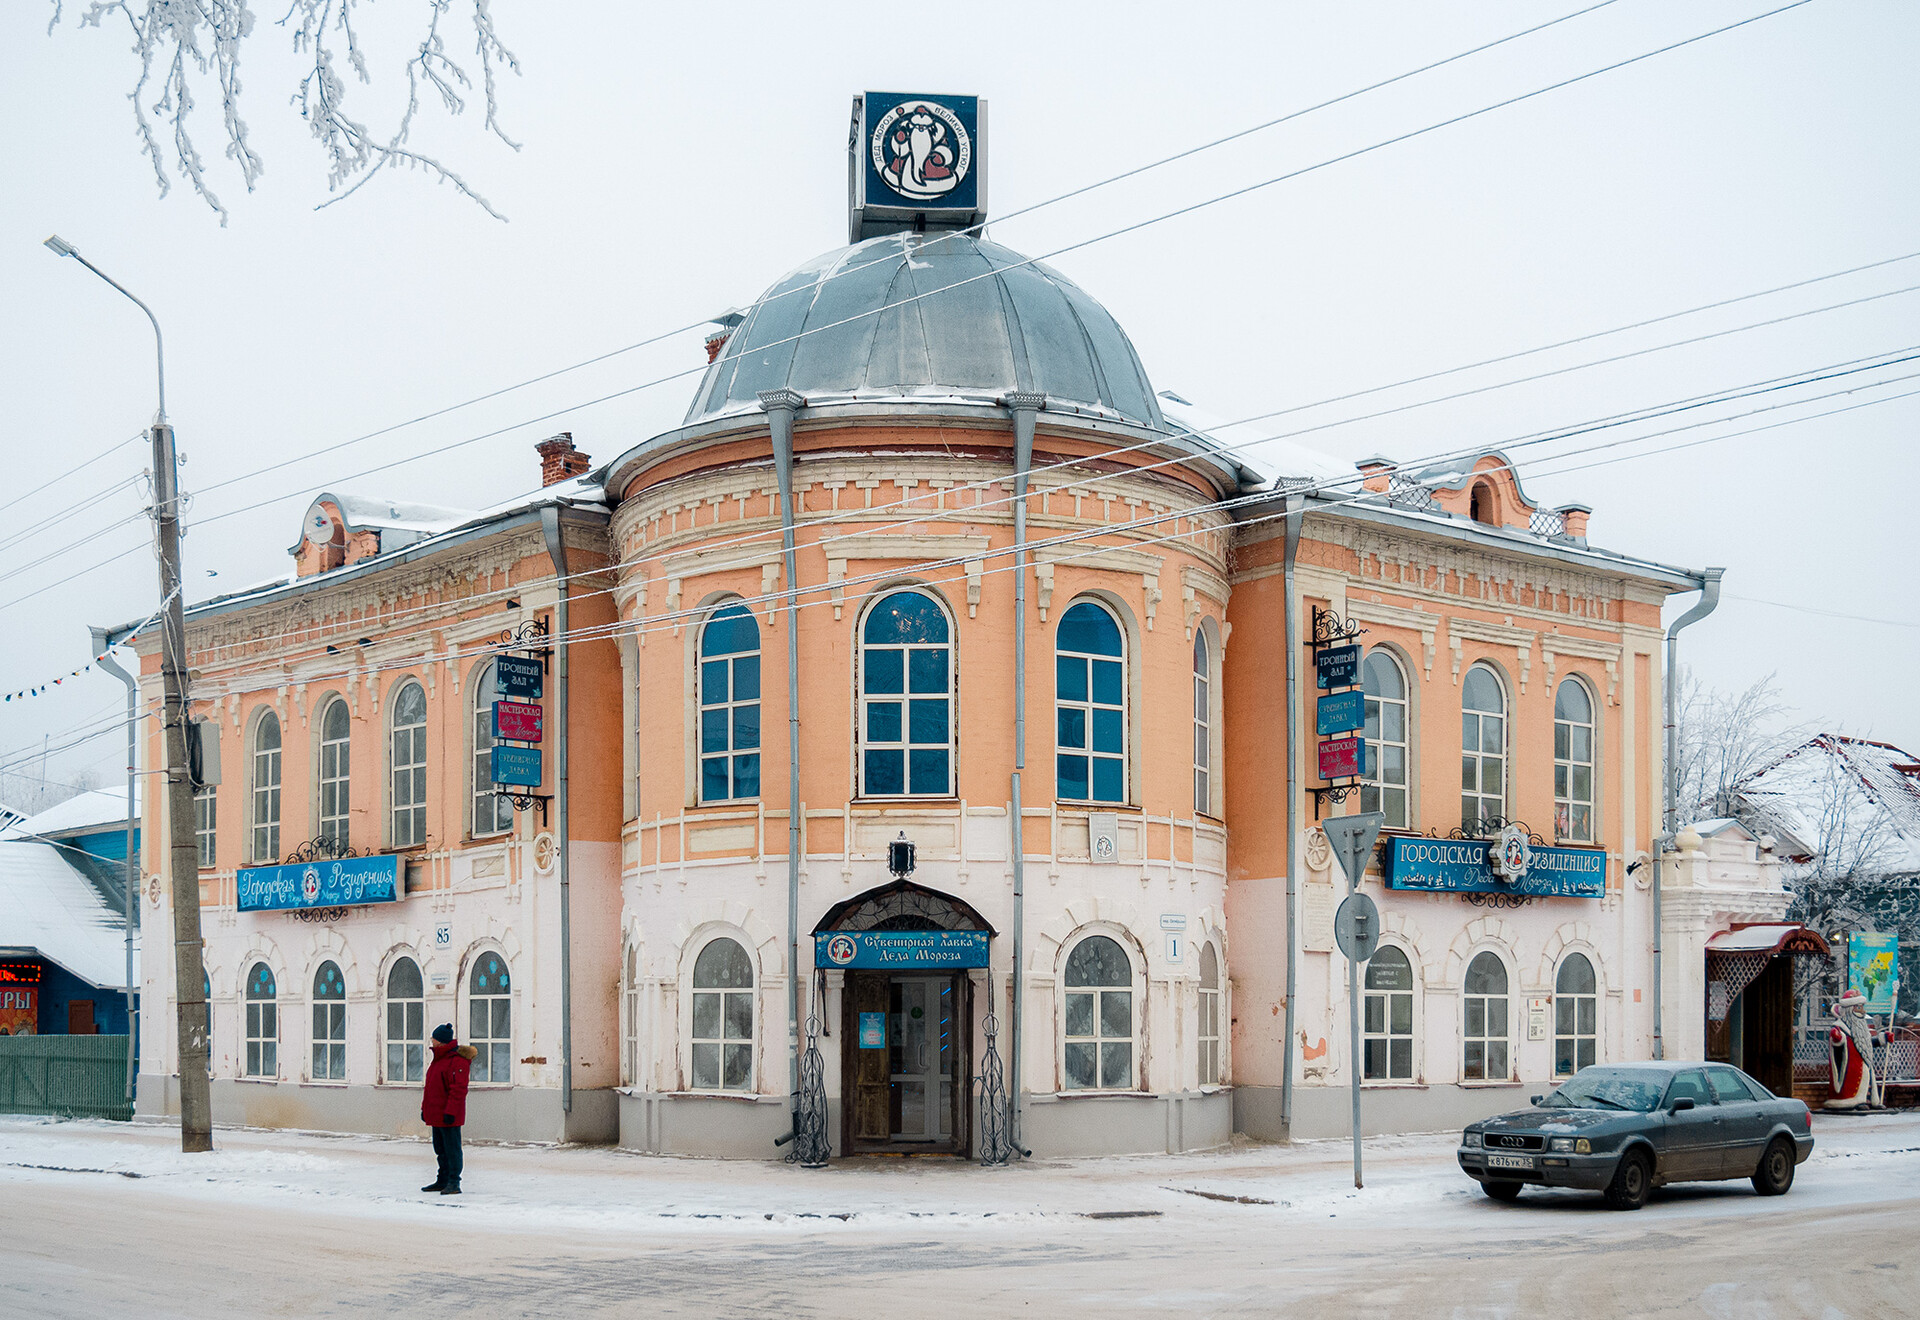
x=677, y=159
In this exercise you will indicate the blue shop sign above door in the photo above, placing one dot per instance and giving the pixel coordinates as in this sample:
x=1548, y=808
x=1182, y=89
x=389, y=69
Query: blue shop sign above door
x=330, y=882
x=900, y=950
x=1341, y=712
x=518, y=766
x=1459, y=866
x=1336, y=666
x=520, y=677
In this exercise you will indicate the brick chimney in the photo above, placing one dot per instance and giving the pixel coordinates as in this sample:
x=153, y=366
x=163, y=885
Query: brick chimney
x=1573, y=518
x=1376, y=472
x=728, y=321
x=559, y=460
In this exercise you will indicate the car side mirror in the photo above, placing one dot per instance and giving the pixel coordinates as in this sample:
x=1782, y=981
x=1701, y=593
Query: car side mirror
x=1681, y=1105
x=1534, y=1100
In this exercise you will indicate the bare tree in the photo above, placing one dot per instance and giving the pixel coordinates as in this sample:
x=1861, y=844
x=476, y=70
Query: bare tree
x=182, y=45
x=1725, y=739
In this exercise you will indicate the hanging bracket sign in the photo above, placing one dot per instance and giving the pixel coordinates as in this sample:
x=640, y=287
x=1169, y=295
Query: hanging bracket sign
x=518, y=721
x=519, y=677
x=1336, y=666
x=1341, y=712
x=1343, y=758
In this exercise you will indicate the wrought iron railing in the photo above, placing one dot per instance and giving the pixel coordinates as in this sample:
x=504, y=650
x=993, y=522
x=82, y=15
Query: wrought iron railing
x=1411, y=494
x=1547, y=522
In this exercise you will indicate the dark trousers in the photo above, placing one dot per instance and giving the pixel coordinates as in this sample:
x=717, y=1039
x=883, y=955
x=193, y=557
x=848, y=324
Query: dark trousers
x=446, y=1149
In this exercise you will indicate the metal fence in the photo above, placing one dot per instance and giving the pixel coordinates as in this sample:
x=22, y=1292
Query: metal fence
x=1897, y=1062
x=65, y=1076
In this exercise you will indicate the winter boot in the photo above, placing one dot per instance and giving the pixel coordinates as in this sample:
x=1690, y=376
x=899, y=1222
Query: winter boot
x=451, y=1189
x=433, y=1186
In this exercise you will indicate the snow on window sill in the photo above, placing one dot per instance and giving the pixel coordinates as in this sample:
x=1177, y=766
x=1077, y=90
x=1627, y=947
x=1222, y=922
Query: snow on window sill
x=1407, y=1086
x=1490, y=1086
x=750, y=1097
x=1108, y=1094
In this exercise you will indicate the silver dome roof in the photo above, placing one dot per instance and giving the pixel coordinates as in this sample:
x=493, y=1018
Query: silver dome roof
x=930, y=317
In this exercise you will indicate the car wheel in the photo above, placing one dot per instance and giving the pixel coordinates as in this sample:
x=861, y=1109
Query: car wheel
x=1502, y=1189
x=1632, y=1181
x=1775, y=1173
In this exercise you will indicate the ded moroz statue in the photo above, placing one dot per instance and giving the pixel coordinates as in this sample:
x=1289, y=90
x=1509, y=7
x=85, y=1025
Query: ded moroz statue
x=1851, y=1040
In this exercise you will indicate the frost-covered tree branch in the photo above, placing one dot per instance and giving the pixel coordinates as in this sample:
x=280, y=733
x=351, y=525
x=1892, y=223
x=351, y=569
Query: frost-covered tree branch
x=182, y=44
x=1724, y=740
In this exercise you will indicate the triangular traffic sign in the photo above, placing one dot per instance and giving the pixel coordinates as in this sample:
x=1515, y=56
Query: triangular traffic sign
x=1352, y=838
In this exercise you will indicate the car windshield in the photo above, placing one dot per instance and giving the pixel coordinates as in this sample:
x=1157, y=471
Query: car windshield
x=1604, y=1088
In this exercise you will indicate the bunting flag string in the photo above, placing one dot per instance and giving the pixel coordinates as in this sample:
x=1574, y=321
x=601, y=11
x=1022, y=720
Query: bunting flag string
x=41, y=689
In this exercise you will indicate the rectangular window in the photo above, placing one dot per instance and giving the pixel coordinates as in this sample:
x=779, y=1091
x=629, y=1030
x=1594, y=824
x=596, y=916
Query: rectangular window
x=204, y=820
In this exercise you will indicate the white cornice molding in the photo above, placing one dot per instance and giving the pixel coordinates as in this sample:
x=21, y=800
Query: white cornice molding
x=1554, y=645
x=1491, y=634
x=1395, y=616
x=877, y=548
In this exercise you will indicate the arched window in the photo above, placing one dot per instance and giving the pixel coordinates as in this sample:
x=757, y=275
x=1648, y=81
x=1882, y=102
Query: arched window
x=1573, y=762
x=630, y=1034
x=1387, y=1036
x=335, y=770
x=1384, y=787
x=408, y=763
x=329, y=1024
x=490, y=1019
x=492, y=814
x=1483, y=748
x=1098, y=1053
x=729, y=706
x=1209, y=1033
x=1486, y=1023
x=723, y=1018
x=263, y=1024
x=906, y=698
x=406, y=1022
x=1202, y=728
x=1480, y=503
x=1090, y=706
x=1576, y=1016
x=266, y=788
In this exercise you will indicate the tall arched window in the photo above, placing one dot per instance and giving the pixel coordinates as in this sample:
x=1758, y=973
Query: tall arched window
x=335, y=769
x=1483, y=748
x=729, y=706
x=1573, y=762
x=1202, y=728
x=408, y=765
x=492, y=814
x=722, y=1018
x=1387, y=1035
x=1209, y=1033
x=263, y=1023
x=490, y=1019
x=329, y=1024
x=906, y=698
x=406, y=1022
x=1576, y=1016
x=1090, y=736
x=1098, y=1021
x=266, y=788
x=1384, y=788
x=1485, y=1037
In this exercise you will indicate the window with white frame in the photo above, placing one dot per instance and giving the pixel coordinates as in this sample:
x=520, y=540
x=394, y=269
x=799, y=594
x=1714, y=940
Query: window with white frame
x=490, y=1019
x=906, y=698
x=630, y=1021
x=492, y=814
x=406, y=1022
x=205, y=820
x=1209, y=1034
x=729, y=706
x=266, y=788
x=1387, y=1020
x=1485, y=1038
x=1573, y=762
x=1090, y=706
x=1576, y=1016
x=329, y=1024
x=206, y=988
x=1483, y=748
x=263, y=1023
x=1202, y=727
x=722, y=1033
x=1383, y=788
x=407, y=763
x=335, y=743
x=1098, y=1017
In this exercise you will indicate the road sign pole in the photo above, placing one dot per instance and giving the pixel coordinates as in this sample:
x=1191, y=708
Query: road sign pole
x=1353, y=1018
x=1357, y=932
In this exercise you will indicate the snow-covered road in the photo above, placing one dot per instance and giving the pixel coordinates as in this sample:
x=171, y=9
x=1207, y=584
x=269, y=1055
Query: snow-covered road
x=102, y=1219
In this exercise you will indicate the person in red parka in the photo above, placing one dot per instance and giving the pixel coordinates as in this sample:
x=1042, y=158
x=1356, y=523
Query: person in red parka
x=443, y=1106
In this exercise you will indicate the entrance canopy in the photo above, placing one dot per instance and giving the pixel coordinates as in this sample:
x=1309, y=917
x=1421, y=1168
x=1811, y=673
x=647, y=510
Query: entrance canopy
x=1791, y=937
x=901, y=927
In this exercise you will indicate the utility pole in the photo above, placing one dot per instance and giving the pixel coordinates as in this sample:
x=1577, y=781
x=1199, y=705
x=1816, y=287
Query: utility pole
x=196, y=1118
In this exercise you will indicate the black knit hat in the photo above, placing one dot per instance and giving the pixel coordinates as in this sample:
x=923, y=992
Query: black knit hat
x=444, y=1033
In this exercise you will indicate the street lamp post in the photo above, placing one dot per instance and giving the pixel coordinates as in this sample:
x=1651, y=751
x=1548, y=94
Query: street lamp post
x=196, y=1120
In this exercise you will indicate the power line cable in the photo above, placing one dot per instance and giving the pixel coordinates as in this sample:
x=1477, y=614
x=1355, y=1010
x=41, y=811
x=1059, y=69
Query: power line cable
x=110, y=449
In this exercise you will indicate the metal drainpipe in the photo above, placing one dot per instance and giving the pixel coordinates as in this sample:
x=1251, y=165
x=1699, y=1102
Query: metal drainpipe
x=1295, y=514
x=1026, y=408
x=780, y=406
x=557, y=551
x=112, y=666
x=1670, y=783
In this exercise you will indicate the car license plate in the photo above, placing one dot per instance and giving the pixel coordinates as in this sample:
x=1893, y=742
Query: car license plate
x=1509, y=1161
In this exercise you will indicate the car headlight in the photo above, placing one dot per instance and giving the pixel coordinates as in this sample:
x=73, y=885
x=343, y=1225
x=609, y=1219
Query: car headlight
x=1582, y=1146
x=1571, y=1146
x=1471, y=1139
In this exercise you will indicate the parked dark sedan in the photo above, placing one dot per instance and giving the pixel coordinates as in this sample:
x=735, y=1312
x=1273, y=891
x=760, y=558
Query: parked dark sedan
x=1624, y=1129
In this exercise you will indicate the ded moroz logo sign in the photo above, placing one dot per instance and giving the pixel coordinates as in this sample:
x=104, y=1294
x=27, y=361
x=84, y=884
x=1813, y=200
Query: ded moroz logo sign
x=922, y=150
x=916, y=161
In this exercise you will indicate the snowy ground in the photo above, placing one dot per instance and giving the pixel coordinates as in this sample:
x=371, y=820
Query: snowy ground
x=106, y=1219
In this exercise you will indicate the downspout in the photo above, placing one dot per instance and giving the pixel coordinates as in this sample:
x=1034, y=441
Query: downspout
x=1296, y=512
x=101, y=647
x=1670, y=781
x=1026, y=408
x=780, y=406
x=557, y=551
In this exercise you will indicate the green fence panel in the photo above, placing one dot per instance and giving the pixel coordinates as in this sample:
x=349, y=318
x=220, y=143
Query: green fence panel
x=65, y=1076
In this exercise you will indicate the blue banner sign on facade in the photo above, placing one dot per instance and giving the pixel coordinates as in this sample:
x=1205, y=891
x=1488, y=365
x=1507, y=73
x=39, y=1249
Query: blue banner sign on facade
x=1341, y=712
x=1459, y=866
x=520, y=677
x=900, y=950
x=517, y=766
x=1336, y=666
x=329, y=882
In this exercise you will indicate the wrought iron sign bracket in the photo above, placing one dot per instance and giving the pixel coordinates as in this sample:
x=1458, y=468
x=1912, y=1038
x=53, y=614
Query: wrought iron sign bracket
x=530, y=637
x=321, y=847
x=1329, y=629
x=525, y=801
x=1332, y=793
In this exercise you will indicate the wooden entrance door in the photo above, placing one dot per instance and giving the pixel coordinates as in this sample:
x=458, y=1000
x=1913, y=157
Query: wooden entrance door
x=1766, y=1028
x=908, y=1077
x=868, y=1115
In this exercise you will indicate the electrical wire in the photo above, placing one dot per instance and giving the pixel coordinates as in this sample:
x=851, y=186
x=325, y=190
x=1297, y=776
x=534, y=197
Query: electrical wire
x=1825, y=614
x=110, y=449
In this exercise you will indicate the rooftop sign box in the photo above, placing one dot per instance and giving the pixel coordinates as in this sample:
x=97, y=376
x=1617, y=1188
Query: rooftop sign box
x=328, y=882
x=916, y=160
